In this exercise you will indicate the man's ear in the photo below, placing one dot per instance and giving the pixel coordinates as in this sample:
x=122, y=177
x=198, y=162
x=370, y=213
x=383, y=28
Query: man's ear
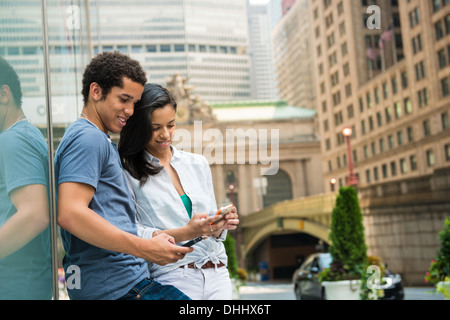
x=5, y=94
x=95, y=91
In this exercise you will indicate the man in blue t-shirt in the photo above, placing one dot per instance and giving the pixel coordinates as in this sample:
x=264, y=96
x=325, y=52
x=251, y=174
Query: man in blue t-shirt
x=25, y=259
x=105, y=259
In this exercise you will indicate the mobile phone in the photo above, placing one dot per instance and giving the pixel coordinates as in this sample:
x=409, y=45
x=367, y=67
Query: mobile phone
x=223, y=211
x=192, y=242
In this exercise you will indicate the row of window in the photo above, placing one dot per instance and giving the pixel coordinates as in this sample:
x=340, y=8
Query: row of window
x=402, y=166
x=172, y=48
x=371, y=150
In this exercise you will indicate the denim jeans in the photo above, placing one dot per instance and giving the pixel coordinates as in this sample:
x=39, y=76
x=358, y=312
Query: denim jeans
x=149, y=289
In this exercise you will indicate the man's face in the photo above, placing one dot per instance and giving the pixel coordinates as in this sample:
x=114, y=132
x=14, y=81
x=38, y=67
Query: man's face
x=115, y=109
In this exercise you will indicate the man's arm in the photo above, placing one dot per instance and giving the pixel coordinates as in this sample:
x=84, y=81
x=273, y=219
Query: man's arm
x=31, y=218
x=76, y=217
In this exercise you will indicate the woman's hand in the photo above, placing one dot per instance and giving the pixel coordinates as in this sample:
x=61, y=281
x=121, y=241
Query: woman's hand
x=201, y=225
x=231, y=220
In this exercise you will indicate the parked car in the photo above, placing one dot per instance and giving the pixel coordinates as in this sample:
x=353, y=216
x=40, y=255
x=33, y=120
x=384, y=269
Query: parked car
x=307, y=286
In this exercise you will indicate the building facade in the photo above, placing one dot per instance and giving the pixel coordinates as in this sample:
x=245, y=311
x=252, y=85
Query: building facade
x=390, y=85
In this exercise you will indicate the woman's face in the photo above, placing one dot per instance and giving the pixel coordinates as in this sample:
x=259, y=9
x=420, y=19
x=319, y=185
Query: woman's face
x=163, y=123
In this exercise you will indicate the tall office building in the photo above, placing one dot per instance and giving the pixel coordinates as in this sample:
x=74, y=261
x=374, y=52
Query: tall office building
x=391, y=86
x=274, y=11
x=293, y=57
x=205, y=41
x=262, y=67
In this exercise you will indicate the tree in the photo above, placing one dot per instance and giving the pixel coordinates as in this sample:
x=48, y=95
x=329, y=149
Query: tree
x=348, y=247
x=232, y=257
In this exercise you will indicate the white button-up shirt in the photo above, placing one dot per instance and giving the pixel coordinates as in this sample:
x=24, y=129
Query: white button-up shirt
x=159, y=206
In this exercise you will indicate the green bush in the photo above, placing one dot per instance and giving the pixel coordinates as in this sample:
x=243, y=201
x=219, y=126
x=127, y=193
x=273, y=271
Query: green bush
x=440, y=266
x=232, y=257
x=348, y=247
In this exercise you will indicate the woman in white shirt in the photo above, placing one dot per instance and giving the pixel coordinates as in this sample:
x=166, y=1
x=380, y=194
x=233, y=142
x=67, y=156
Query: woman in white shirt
x=174, y=193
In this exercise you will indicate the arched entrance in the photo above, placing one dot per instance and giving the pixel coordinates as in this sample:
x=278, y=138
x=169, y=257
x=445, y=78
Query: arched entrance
x=279, y=188
x=283, y=253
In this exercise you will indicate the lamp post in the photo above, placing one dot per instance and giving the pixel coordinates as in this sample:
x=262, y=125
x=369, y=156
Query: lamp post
x=231, y=188
x=332, y=184
x=352, y=180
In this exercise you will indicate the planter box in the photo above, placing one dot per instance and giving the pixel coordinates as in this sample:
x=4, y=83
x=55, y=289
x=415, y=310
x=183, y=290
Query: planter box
x=342, y=290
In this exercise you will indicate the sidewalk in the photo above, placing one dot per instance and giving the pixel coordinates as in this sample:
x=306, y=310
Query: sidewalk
x=283, y=290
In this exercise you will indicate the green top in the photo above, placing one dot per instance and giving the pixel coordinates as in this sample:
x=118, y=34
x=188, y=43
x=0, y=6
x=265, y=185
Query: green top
x=187, y=204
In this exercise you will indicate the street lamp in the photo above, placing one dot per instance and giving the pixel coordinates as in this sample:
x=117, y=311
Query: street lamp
x=231, y=187
x=352, y=179
x=332, y=184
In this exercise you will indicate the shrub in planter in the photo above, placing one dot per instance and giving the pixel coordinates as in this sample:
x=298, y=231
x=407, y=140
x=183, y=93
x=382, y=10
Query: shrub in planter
x=348, y=247
x=348, y=244
x=439, y=271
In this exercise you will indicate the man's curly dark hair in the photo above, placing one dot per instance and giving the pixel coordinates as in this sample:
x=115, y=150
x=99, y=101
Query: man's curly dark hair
x=108, y=69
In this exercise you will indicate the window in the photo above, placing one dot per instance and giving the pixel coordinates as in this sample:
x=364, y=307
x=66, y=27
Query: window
x=384, y=170
x=379, y=119
x=439, y=31
x=150, y=48
x=385, y=90
x=368, y=176
x=413, y=162
x=165, y=48
x=179, y=47
x=422, y=96
x=430, y=157
x=447, y=152
x=400, y=138
x=398, y=110
x=408, y=106
x=403, y=166
x=393, y=168
x=444, y=120
x=388, y=114
x=381, y=145
x=417, y=43
x=414, y=17
x=391, y=142
x=426, y=128
x=404, y=77
x=442, y=58
x=375, y=173
x=445, y=87
x=409, y=132
x=420, y=70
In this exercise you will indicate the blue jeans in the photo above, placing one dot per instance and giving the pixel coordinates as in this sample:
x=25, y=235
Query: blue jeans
x=149, y=289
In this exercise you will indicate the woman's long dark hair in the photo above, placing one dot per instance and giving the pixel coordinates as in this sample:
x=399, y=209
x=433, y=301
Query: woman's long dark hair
x=139, y=130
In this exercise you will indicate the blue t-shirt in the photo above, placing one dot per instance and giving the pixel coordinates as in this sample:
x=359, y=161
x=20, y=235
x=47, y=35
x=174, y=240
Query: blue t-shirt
x=87, y=155
x=26, y=273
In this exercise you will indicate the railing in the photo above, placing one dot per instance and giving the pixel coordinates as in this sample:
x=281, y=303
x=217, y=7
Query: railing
x=305, y=207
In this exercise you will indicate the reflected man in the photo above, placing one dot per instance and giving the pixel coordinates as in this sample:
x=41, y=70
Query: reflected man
x=25, y=258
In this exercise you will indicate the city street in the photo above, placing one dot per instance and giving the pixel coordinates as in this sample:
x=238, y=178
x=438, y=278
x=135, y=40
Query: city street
x=284, y=291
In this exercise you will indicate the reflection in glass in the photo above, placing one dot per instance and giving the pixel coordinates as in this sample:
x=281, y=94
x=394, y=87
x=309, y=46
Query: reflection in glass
x=25, y=255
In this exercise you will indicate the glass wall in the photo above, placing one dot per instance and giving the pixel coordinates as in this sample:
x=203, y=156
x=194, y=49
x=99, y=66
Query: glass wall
x=43, y=50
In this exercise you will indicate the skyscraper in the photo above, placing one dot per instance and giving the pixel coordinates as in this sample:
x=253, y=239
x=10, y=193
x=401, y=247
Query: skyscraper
x=262, y=67
x=205, y=41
